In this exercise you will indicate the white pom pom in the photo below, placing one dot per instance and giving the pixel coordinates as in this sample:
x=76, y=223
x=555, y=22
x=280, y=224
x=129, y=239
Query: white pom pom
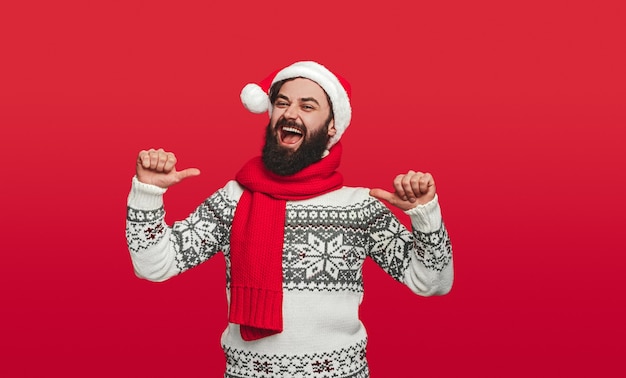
x=254, y=98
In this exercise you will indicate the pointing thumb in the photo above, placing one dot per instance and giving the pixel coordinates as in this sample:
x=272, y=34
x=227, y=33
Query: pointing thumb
x=189, y=172
x=381, y=194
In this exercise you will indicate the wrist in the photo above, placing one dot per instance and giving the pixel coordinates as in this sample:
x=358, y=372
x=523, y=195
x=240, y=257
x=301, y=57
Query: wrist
x=145, y=196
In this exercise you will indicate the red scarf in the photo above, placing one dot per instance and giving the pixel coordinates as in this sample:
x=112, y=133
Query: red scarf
x=257, y=235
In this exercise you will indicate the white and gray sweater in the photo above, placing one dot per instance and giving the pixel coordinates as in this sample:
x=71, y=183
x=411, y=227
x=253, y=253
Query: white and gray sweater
x=327, y=239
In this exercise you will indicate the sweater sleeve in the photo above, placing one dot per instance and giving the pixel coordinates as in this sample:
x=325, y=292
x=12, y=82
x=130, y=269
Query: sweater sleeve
x=420, y=258
x=158, y=251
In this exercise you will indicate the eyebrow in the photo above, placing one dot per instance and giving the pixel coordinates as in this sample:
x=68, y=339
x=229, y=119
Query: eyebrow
x=307, y=99
x=304, y=99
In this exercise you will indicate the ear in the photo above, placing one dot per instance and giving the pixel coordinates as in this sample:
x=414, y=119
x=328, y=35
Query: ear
x=331, y=128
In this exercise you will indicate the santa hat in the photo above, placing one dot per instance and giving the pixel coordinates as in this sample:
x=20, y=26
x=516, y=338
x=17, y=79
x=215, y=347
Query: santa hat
x=255, y=97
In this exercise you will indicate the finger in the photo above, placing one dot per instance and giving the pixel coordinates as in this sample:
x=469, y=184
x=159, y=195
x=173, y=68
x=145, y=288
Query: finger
x=161, y=161
x=383, y=195
x=416, y=180
x=397, y=185
x=415, y=184
x=143, y=159
x=425, y=183
x=154, y=158
x=170, y=162
x=186, y=173
x=408, y=184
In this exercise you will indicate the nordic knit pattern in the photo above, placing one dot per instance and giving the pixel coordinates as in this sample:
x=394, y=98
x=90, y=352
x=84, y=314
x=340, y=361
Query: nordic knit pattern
x=327, y=239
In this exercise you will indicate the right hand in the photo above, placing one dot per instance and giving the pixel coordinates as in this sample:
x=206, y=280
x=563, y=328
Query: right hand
x=158, y=167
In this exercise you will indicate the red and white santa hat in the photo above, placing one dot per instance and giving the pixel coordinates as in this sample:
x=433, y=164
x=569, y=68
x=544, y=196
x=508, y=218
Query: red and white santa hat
x=255, y=97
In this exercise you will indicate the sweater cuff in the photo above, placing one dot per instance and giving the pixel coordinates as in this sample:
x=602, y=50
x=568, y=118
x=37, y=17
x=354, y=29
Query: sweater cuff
x=145, y=196
x=426, y=217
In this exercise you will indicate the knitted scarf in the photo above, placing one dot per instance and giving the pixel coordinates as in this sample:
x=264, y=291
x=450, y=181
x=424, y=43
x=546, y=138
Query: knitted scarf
x=257, y=234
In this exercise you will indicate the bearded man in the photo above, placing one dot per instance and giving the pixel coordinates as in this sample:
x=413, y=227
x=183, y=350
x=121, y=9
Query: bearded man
x=293, y=237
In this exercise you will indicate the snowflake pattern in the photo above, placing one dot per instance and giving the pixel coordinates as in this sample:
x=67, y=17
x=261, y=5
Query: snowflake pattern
x=322, y=366
x=320, y=259
x=347, y=362
x=205, y=232
x=152, y=233
x=390, y=245
x=325, y=247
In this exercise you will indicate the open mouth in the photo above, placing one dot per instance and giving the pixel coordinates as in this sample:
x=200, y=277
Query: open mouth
x=291, y=134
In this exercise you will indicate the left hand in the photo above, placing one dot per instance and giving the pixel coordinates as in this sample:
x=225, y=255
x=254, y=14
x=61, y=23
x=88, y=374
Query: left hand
x=412, y=189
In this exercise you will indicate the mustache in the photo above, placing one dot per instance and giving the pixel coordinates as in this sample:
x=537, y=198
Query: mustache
x=290, y=123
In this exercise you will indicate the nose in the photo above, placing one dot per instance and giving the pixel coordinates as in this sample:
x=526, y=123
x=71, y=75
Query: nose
x=291, y=112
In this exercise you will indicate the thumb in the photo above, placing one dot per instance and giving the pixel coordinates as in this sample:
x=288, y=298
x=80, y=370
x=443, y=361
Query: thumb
x=186, y=173
x=382, y=195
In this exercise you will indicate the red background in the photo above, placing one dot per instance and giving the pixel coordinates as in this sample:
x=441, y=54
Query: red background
x=516, y=108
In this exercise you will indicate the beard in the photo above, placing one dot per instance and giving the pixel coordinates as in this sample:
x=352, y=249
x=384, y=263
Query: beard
x=284, y=161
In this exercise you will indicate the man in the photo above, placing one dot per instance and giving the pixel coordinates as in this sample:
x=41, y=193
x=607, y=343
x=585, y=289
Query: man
x=294, y=238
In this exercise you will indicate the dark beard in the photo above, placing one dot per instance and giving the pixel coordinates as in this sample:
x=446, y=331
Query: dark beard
x=285, y=162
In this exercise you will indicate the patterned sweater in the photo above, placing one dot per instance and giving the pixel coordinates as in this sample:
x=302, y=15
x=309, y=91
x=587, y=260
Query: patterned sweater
x=327, y=239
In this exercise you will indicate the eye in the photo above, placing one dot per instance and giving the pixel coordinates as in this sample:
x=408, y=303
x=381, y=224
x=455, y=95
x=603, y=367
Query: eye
x=307, y=107
x=281, y=104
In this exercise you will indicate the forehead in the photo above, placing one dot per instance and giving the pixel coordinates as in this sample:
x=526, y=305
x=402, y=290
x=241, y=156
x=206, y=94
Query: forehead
x=299, y=88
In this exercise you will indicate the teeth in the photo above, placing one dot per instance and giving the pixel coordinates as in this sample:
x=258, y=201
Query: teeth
x=292, y=130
